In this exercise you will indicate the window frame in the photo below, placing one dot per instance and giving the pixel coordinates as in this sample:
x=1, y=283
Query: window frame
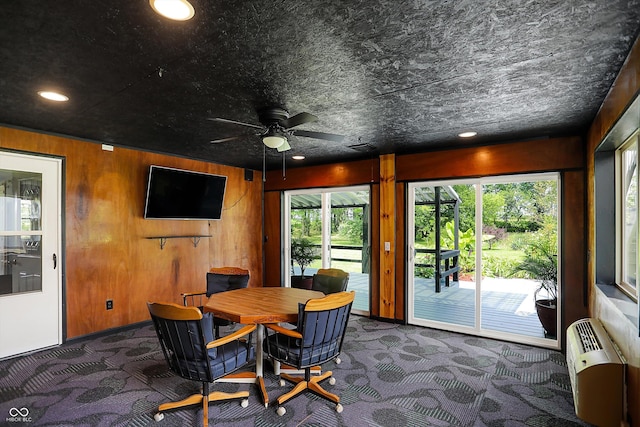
x=620, y=180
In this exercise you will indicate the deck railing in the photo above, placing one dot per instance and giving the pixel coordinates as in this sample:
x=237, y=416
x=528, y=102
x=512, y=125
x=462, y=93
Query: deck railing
x=447, y=267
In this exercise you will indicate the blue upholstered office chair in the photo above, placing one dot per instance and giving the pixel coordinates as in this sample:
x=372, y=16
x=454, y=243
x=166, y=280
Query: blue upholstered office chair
x=219, y=279
x=317, y=339
x=330, y=280
x=186, y=338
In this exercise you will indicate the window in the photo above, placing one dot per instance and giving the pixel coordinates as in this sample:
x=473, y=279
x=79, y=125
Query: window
x=627, y=216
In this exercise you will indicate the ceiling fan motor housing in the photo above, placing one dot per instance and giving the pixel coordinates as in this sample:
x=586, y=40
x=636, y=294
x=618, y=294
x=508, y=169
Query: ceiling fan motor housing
x=272, y=116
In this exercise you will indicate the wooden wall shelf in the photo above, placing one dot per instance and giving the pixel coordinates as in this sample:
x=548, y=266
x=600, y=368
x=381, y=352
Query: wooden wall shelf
x=194, y=238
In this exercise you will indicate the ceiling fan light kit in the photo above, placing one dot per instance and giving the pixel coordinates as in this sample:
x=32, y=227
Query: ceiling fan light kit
x=273, y=141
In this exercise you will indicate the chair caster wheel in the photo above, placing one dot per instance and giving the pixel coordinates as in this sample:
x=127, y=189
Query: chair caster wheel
x=282, y=383
x=244, y=403
x=338, y=361
x=159, y=416
x=332, y=381
x=281, y=411
x=339, y=408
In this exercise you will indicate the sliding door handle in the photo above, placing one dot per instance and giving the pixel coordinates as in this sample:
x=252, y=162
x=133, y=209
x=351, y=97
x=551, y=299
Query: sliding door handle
x=55, y=261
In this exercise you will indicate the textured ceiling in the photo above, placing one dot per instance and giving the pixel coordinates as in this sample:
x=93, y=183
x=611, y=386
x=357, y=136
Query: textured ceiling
x=392, y=76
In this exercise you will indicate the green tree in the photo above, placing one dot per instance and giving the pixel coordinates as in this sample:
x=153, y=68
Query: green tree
x=351, y=226
x=424, y=222
x=338, y=216
x=467, y=210
x=492, y=204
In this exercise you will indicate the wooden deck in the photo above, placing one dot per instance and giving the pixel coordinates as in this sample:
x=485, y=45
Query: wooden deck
x=507, y=304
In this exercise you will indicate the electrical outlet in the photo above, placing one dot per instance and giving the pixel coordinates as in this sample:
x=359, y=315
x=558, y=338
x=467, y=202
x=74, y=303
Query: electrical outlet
x=109, y=304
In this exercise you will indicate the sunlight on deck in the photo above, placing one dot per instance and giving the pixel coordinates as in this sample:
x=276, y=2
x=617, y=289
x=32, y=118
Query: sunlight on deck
x=507, y=304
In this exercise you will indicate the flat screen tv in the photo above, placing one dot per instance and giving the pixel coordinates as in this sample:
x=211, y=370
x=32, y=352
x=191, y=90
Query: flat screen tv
x=181, y=194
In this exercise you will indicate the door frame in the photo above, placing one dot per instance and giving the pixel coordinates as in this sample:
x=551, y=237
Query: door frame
x=59, y=162
x=479, y=183
x=325, y=209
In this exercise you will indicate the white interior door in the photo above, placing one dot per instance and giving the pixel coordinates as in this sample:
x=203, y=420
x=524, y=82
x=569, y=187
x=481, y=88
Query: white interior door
x=30, y=274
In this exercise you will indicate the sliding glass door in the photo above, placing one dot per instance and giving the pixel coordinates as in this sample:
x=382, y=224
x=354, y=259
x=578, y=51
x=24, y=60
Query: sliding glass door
x=329, y=228
x=483, y=255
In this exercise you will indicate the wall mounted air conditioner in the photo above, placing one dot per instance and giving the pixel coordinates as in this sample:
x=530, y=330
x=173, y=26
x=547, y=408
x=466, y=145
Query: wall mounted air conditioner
x=597, y=372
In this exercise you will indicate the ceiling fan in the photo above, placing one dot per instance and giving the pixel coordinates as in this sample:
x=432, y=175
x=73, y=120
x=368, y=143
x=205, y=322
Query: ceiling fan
x=277, y=128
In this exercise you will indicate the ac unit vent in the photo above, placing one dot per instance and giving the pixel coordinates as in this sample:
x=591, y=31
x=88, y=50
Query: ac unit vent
x=588, y=337
x=362, y=147
x=596, y=372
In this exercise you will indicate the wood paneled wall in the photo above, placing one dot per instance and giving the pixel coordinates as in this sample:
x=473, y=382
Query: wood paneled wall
x=561, y=154
x=517, y=157
x=624, y=90
x=107, y=253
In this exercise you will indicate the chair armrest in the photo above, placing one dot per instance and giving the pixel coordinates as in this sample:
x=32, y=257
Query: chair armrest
x=231, y=337
x=284, y=331
x=192, y=294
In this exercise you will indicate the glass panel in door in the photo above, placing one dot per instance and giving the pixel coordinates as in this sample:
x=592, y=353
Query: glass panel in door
x=348, y=244
x=520, y=256
x=305, y=238
x=442, y=269
x=330, y=229
x=20, y=222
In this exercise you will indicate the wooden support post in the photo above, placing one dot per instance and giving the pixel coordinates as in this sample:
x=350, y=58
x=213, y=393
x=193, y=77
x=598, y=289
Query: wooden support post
x=438, y=234
x=387, y=236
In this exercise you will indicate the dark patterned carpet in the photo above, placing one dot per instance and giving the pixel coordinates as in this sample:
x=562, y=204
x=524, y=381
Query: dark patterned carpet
x=390, y=375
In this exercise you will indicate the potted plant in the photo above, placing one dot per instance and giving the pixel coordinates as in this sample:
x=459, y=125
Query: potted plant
x=303, y=252
x=541, y=263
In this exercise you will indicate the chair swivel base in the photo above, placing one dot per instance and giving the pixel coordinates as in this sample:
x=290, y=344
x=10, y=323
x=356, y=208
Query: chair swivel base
x=197, y=399
x=312, y=384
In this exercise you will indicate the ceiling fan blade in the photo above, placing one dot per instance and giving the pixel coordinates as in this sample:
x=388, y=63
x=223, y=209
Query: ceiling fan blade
x=298, y=120
x=231, y=138
x=284, y=147
x=319, y=135
x=233, y=122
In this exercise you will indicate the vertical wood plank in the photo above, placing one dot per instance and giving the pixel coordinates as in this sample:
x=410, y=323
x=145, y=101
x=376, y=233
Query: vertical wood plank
x=375, y=249
x=387, y=235
x=573, y=267
x=272, y=239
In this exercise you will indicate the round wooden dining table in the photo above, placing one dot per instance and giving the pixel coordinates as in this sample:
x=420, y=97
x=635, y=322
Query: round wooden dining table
x=260, y=306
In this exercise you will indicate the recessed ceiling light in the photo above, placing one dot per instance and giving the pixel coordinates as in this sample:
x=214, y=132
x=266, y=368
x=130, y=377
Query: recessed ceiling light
x=297, y=157
x=467, y=134
x=53, y=96
x=178, y=10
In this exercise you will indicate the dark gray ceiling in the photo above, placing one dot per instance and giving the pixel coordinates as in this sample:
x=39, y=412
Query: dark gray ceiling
x=396, y=76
